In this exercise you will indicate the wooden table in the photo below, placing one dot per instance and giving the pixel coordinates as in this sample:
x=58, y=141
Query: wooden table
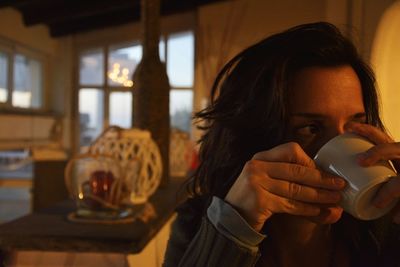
x=50, y=230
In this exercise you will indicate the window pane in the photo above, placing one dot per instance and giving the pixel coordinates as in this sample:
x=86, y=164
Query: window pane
x=91, y=68
x=3, y=77
x=27, y=82
x=122, y=63
x=161, y=49
x=121, y=109
x=91, y=112
x=180, y=109
x=180, y=59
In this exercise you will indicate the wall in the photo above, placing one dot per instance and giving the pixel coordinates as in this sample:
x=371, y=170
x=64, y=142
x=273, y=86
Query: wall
x=386, y=61
x=242, y=22
x=36, y=37
x=372, y=14
x=54, y=52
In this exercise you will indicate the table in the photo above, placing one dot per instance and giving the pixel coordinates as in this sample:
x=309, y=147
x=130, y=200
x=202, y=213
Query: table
x=49, y=229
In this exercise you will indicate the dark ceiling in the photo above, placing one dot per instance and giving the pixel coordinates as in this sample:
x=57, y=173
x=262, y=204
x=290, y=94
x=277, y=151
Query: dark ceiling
x=64, y=17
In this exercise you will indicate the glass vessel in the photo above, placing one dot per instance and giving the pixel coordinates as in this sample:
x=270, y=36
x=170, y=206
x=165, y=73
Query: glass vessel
x=99, y=186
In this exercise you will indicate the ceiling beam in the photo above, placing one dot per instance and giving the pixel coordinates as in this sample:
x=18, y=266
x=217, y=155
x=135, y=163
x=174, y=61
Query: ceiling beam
x=14, y=3
x=92, y=23
x=65, y=17
x=52, y=13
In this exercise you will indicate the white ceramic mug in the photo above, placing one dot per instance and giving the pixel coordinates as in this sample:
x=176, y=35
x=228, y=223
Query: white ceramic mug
x=339, y=157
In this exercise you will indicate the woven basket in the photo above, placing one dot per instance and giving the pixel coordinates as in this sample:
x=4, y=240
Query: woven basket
x=132, y=145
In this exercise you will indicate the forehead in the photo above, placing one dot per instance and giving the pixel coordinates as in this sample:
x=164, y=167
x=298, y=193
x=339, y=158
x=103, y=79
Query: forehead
x=326, y=90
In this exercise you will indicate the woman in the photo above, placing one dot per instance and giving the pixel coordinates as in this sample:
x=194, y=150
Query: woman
x=258, y=198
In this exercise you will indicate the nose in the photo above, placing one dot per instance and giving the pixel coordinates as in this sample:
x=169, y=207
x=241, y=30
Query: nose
x=332, y=131
x=340, y=129
x=337, y=128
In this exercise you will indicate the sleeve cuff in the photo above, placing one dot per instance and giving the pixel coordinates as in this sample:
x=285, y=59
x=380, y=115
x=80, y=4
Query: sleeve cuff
x=229, y=223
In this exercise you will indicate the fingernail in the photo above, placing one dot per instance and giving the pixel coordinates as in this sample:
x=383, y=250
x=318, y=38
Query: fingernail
x=339, y=181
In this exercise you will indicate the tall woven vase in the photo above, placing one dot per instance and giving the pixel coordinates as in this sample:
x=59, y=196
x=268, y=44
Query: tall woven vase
x=151, y=88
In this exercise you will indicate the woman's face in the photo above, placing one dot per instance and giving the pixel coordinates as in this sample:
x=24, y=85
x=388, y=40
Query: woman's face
x=322, y=101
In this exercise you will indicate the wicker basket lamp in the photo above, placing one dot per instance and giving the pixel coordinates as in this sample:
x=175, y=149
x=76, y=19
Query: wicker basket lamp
x=126, y=145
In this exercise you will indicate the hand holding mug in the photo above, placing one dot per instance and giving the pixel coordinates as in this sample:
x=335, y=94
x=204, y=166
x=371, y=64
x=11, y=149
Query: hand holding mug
x=385, y=149
x=285, y=180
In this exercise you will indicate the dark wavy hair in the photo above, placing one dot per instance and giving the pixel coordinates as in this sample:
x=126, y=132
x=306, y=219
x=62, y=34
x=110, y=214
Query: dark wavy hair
x=249, y=99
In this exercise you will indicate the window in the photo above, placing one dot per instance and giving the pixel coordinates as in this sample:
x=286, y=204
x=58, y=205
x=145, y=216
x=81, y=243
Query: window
x=91, y=109
x=180, y=108
x=180, y=51
x=105, y=97
x=180, y=69
x=121, y=109
x=27, y=81
x=3, y=77
x=91, y=68
x=21, y=78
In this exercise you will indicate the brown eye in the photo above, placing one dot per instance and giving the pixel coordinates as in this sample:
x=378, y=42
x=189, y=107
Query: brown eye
x=308, y=130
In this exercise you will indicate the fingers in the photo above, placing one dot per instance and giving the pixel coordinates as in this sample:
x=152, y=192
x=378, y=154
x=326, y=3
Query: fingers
x=280, y=204
x=256, y=194
x=387, y=193
x=282, y=188
x=282, y=180
x=370, y=132
x=298, y=192
x=328, y=215
x=294, y=173
x=386, y=151
x=288, y=152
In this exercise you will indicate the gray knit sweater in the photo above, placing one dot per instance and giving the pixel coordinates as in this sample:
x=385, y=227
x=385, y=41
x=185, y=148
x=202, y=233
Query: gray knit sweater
x=218, y=236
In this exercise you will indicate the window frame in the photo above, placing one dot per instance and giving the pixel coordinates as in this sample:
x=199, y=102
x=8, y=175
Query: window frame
x=12, y=49
x=123, y=36
x=10, y=74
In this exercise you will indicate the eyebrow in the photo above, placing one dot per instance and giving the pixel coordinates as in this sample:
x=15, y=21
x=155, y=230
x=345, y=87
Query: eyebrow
x=358, y=115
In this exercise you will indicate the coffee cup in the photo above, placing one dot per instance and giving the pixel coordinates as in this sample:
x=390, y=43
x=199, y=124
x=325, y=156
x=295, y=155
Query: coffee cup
x=339, y=157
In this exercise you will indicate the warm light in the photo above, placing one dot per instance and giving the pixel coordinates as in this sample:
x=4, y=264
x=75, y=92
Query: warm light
x=122, y=78
x=3, y=95
x=80, y=196
x=22, y=99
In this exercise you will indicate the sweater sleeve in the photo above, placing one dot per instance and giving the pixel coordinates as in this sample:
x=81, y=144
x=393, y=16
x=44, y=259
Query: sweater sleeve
x=211, y=248
x=183, y=230
x=222, y=238
x=232, y=225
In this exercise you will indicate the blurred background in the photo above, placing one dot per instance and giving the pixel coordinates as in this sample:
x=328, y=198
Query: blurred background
x=66, y=70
